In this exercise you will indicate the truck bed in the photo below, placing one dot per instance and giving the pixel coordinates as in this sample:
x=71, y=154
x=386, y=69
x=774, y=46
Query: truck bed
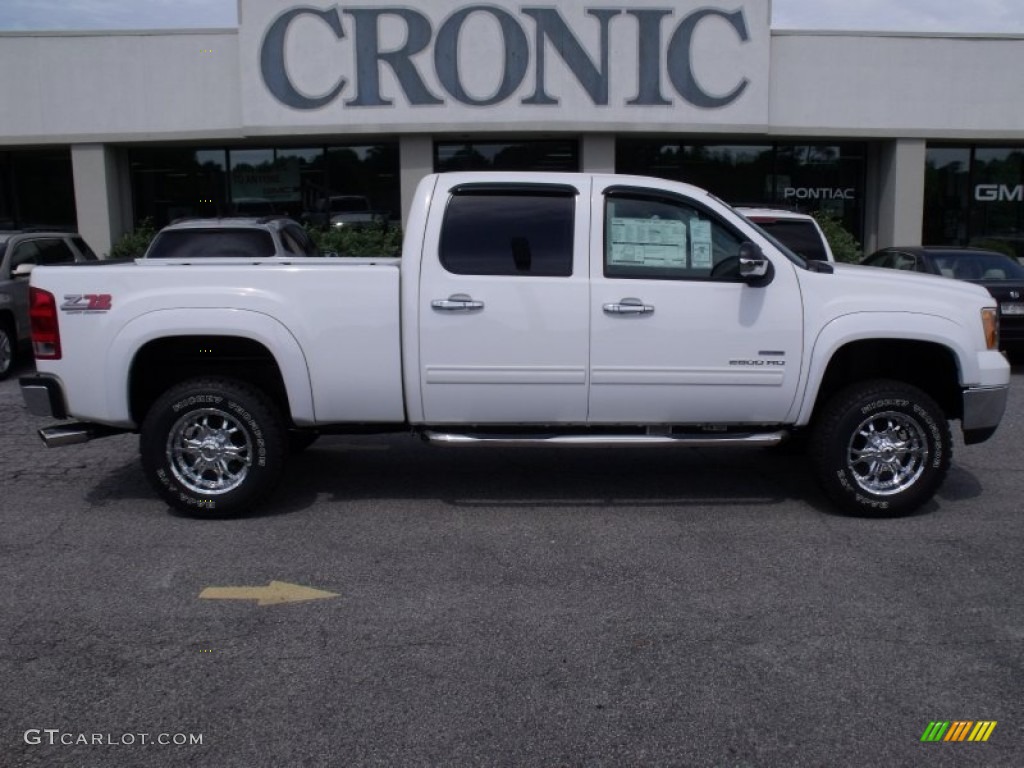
x=334, y=321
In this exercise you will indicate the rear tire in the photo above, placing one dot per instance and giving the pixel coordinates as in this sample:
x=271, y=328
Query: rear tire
x=881, y=448
x=213, y=447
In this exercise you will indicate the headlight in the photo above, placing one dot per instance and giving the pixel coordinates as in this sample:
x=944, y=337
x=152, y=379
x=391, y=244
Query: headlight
x=990, y=322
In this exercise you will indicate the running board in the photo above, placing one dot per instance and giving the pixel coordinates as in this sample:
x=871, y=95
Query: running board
x=694, y=440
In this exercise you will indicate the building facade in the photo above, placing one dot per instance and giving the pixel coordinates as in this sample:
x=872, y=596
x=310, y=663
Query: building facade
x=309, y=108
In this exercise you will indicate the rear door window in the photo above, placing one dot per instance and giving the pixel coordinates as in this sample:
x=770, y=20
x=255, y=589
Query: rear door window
x=799, y=236
x=54, y=252
x=298, y=241
x=83, y=248
x=24, y=253
x=508, y=231
x=213, y=243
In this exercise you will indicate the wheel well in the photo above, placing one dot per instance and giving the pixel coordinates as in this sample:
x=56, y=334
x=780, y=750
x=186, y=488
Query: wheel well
x=162, y=363
x=927, y=366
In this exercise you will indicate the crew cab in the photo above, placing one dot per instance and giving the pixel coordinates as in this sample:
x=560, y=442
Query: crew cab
x=551, y=309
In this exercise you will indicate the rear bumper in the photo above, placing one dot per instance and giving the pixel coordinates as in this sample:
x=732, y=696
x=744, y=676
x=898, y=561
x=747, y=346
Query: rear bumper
x=983, y=409
x=44, y=396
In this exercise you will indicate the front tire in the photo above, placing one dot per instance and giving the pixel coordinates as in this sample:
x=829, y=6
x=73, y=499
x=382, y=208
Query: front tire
x=213, y=447
x=881, y=448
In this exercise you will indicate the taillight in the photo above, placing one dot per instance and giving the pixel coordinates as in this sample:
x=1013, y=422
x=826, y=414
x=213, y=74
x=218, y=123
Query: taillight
x=42, y=314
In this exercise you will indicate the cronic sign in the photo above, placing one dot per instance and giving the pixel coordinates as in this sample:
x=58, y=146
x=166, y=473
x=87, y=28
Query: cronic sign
x=433, y=64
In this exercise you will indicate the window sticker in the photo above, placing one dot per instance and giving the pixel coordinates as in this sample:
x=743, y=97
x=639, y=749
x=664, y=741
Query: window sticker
x=700, y=233
x=649, y=242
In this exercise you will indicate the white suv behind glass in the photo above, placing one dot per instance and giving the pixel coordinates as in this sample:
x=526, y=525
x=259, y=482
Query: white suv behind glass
x=797, y=231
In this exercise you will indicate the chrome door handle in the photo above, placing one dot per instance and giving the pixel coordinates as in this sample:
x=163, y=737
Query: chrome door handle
x=458, y=302
x=628, y=307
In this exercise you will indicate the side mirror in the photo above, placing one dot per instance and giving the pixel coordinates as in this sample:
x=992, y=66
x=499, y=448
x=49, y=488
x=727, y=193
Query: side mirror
x=23, y=270
x=755, y=268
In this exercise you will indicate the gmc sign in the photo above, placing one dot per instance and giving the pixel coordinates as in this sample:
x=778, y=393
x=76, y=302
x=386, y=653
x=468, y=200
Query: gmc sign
x=999, y=193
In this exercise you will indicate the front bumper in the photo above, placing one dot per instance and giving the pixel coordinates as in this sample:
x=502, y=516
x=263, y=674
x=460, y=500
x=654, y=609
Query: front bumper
x=983, y=409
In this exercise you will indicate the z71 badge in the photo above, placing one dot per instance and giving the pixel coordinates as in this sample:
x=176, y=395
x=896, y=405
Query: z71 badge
x=87, y=303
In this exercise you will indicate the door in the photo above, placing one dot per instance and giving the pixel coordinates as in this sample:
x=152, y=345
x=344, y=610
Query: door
x=503, y=303
x=677, y=336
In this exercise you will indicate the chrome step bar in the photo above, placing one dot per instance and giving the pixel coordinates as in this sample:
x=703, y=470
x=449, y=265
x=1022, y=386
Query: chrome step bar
x=752, y=439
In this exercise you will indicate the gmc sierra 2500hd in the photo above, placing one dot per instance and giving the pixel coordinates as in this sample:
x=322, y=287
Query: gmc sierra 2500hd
x=564, y=309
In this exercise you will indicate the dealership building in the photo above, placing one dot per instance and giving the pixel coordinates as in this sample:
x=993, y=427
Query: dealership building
x=907, y=138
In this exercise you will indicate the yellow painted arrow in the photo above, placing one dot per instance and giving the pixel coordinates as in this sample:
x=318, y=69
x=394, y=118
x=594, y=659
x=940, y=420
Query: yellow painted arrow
x=274, y=593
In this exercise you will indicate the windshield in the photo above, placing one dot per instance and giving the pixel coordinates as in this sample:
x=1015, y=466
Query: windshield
x=979, y=266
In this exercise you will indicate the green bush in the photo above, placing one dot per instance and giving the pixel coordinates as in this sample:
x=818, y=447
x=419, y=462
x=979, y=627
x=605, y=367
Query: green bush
x=382, y=239
x=843, y=244
x=133, y=244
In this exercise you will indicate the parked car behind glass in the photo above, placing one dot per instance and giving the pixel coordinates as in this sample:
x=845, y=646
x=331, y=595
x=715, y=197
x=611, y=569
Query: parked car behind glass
x=1002, y=275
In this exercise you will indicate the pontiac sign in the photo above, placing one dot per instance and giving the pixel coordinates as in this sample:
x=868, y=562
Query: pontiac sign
x=564, y=62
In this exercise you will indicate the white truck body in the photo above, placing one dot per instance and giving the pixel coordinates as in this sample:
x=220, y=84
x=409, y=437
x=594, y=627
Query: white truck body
x=409, y=342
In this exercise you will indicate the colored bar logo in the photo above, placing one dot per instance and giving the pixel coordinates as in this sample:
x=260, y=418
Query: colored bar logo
x=958, y=730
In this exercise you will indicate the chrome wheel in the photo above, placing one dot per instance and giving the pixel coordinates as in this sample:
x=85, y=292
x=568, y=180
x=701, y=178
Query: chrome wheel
x=887, y=453
x=209, y=451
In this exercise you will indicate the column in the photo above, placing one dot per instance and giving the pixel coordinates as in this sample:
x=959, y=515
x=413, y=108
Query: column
x=97, y=195
x=597, y=153
x=416, y=160
x=900, y=209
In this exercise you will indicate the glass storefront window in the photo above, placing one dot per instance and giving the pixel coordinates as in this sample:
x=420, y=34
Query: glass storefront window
x=946, y=195
x=975, y=196
x=530, y=155
x=172, y=183
x=821, y=177
x=37, y=190
x=737, y=173
x=175, y=183
x=6, y=193
x=997, y=207
x=804, y=177
x=363, y=174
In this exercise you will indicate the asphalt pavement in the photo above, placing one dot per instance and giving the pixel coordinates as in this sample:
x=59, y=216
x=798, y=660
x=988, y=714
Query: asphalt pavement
x=506, y=607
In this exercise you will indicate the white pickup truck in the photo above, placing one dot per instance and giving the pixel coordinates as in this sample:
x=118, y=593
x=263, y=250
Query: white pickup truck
x=568, y=309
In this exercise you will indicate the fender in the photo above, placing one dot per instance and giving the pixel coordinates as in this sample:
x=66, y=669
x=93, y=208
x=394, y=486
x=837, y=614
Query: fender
x=870, y=326
x=164, y=323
